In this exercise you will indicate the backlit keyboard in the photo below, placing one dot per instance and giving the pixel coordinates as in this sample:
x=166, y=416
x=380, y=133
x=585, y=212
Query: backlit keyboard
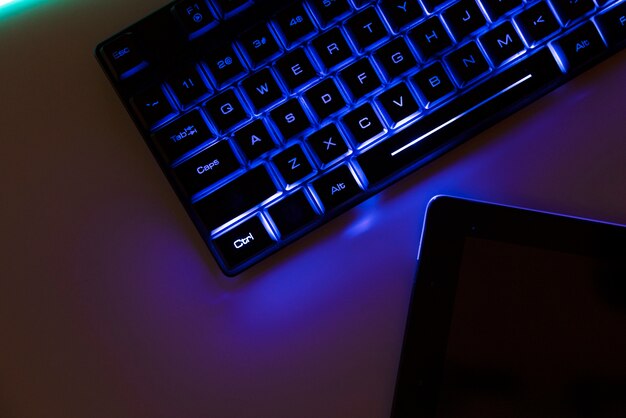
x=269, y=118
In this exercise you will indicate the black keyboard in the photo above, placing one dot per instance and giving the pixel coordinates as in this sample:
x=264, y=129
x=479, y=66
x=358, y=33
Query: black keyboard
x=269, y=118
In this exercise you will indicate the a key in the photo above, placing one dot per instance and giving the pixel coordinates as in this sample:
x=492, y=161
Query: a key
x=581, y=45
x=226, y=110
x=290, y=119
x=467, y=63
x=336, y=187
x=463, y=18
x=153, y=107
x=194, y=16
x=612, y=24
x=124, y=56
x=401, y=13
x=497, y=8
x=332, y=48
x=396, y=58
x=433, y=83
x=292, y=164
x=328, y=144
x=296, y=69
x=188, y=85
x=325, y=98
x=361, y=78
x=207, y=168
x=366, y=28
x=242, y=243
x=292, y=213
x=398, y=103
x=182, y=135
x=537, y=23
x=262, y=89
x=260, y=44
x=228, y=7
x=295, y=23
x=502, y=43
x=363, y=124
x=254, y=140
x=330, y=10
x=571, y=10
x=224, y=64
x=236, y=197
x=430, y=37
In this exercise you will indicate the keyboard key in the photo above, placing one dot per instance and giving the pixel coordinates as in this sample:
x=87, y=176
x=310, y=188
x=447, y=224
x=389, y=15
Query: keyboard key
x=363, y=124
x=124, y=56
x=296, y=69
x=581, y=45
x=242, y=243
x=188, y=85
x=290, y=119
x=229, y=6
x=336, y=187
x=224, y=64
x=430, y=37
x=328, y=144
x=293, y=213
x=295, y=23
x=152, y=107
x=613, y=24
x=236, y=197
x=396, y=58
x=398, y=103
x=325, y=98
x=207, y=168
x=262, y=89
x=226, y=110
x=361, y=78
x=401, y=13
x=433, y=82
x=449, y=124
x=182, y=135
x=502, y=43
x=194, y=16
x=467, y=63
x=366, y=28
x=432, y=5
x=463, y=18
x=292, y=164
x=260, y=44
x=254, y=140
x=330, y=10
x=571, y=10
x=332, y=48
x=497, y=8
x=537, y=23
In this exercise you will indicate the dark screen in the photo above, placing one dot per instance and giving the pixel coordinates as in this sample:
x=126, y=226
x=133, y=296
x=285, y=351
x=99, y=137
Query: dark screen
x=535, y=333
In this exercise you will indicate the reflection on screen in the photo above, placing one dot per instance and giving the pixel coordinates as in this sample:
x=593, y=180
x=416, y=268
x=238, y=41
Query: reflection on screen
x=535, y=333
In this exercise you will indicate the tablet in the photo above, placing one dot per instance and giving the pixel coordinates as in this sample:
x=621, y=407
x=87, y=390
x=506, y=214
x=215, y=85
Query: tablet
x=515, y=313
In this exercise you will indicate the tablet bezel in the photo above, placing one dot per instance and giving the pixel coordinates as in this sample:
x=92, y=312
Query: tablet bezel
x=449, y=221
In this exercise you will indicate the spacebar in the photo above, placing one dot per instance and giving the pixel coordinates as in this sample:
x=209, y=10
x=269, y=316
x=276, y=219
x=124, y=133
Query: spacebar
x=461, y=118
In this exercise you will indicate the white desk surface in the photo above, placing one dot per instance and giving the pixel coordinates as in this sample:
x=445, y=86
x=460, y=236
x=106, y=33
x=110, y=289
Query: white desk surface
x=110, y=304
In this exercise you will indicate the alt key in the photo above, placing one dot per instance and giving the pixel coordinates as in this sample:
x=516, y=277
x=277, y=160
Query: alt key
x=243, y=242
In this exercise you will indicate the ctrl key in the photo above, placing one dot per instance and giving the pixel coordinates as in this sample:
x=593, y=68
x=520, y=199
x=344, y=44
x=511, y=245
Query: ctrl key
x=123, y=56
x=242, y=243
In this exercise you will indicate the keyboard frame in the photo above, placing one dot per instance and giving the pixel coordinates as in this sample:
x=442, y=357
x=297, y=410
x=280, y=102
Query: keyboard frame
x=170, y=39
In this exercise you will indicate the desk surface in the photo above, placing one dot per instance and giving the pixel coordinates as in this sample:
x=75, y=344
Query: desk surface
x=110, y=304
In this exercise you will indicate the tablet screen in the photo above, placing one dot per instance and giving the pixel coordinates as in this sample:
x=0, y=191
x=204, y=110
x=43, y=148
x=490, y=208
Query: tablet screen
x=514, y=313
x=534, y=332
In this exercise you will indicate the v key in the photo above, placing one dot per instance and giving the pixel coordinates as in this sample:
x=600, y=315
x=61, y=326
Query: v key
x=398, y=103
